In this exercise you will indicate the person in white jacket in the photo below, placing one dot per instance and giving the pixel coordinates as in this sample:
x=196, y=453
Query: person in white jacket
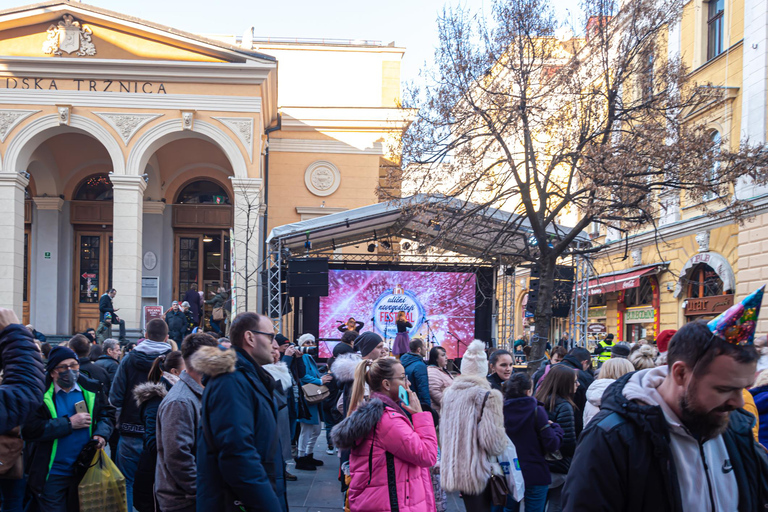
x=609, y=372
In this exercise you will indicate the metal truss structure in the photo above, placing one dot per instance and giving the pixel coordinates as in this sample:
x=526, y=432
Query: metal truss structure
x=580, y=301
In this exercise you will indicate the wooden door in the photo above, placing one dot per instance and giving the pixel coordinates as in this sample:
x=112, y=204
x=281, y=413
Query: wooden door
x=93, y=276
x=187, y=264
x=27, y=269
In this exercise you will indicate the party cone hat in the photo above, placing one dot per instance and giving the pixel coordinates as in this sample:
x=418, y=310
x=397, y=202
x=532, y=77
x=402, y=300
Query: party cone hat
x=737, y=325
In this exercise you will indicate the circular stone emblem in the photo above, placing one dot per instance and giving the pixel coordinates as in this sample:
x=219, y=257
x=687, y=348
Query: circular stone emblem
x=322, y=178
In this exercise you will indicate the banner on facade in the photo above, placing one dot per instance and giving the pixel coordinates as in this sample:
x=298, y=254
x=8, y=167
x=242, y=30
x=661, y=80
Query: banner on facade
x=598, y=312
x=639, y=315
x=596, y=328
x=151, y=312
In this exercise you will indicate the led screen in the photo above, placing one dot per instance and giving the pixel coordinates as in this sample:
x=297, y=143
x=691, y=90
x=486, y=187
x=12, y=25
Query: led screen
x=440, y=302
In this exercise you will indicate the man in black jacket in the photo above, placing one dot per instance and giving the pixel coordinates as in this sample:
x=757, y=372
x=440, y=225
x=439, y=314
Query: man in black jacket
x=674, y=438
x=239, y=456
x=105, y=306
x=82, y=347
x=110, y=359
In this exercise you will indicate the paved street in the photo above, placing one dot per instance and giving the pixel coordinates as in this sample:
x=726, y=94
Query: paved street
x=319, y=491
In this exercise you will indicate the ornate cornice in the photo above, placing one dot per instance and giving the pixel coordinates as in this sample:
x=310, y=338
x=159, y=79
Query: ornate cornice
x=125, y=124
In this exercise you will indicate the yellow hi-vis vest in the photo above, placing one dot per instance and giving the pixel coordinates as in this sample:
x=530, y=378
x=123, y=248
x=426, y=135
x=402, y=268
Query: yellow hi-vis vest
x=605, y=352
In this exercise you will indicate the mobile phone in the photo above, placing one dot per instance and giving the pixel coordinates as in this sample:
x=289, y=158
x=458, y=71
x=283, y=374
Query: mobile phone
x=80, y=407
x=403, y=395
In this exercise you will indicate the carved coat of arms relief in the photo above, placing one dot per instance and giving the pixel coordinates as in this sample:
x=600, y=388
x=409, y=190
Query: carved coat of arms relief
x=68, y=35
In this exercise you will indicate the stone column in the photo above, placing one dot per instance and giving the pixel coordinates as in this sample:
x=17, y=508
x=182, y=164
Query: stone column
x=126, y=247
x=12, y=187
x=247, y=243
x=46, y=312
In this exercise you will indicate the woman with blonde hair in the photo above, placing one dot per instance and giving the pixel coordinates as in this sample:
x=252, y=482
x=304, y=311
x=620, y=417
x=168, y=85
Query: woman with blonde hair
x=609, y=372
x=393, y=444
x=644, y=357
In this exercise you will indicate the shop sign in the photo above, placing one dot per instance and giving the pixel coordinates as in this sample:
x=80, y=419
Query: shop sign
x=600, y=312
x=638, y=316
x=708, y=305
x=596, y=328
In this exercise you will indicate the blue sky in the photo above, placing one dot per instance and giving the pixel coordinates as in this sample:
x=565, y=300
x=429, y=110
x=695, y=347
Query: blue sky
x=409, y=23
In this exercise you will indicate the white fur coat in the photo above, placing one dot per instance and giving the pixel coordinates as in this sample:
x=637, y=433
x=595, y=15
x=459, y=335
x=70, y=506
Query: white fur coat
x=466, y=444
x=280, y=372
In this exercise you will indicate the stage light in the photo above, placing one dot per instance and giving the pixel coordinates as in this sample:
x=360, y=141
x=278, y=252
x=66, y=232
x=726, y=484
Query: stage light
x=406, y=245
x=371, y=247
x=385, y=244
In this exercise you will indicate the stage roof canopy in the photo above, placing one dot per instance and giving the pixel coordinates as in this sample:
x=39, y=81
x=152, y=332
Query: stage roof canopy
x=440, y=221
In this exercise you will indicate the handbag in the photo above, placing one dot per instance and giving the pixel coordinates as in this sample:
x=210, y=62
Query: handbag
x=11, y=455
x=499, y=490
x=314, y=393
x=510, y=467
x=217, y=314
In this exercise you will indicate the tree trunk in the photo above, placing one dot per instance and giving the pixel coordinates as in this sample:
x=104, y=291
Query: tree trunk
x=542, y=315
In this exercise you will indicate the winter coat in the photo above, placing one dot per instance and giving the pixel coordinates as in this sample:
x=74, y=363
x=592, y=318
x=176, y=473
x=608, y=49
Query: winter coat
x=761, y=401
x=105, y=306
x=239, y=457
x=390, y=457
x=178, y=419
x=470, y=433
x=629, y=439
x=311, y=376
x=46, y=427
x=527, y=425
x=343, y=371
x=564, y=415
x=148, y=397
x=594, y=398
x=495, y=381
x=110, y=365
x=95, y=372
x=439, y=380
x=586, y=378
x=283, y=387
x=177, y=324
x=218, y=300
x=133, y=371
x=751, y=407
x=21, y=391
x=193, y=298
x=416, y=371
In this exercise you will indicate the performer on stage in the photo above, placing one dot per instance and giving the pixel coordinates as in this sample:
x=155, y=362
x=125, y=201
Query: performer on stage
x=351, y=325
x=402, y=339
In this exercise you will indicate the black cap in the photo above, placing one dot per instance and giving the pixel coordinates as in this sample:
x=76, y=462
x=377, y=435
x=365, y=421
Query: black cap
x=281, y=340
x=367, y=341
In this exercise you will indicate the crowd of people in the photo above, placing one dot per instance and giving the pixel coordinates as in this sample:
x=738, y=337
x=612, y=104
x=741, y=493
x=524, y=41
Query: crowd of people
x=212, y=424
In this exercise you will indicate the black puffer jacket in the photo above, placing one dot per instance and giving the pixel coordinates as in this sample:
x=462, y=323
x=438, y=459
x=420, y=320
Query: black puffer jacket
x=563, y=414
x=624, y=462
x=148, y=397
x=21, y=392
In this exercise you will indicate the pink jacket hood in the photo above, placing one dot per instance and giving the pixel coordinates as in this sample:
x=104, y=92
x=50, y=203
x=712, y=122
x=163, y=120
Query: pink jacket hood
x=379, y=430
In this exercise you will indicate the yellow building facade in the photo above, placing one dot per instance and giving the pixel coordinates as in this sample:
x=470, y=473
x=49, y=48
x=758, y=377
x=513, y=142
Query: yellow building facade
x=142, y=158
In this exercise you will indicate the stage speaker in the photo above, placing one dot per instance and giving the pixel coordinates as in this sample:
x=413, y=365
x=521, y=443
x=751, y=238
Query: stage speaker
x=308, y=277
x=562, y=294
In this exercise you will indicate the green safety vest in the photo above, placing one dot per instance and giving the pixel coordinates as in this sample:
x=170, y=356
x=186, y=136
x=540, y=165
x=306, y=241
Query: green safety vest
x=90, y=399
x=605, y=352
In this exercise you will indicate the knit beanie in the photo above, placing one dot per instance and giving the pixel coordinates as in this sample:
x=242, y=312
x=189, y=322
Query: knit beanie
x=475, y=361
x=57, y=355
x=621, y=349
x=366, y=342
x=306, y=338
x=662, y=341
x=282, y=340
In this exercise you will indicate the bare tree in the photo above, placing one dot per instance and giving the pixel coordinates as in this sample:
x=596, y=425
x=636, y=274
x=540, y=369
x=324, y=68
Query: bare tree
x=520, y=116
x=246, y=244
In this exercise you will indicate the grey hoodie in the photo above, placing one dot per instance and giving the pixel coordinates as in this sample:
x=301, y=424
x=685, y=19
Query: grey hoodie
x=692, y=461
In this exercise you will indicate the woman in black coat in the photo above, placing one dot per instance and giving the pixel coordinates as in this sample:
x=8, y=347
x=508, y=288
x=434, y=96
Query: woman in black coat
x=556, y=393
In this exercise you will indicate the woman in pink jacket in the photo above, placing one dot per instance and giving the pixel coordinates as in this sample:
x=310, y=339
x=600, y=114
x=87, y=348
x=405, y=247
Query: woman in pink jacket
x=392, y=445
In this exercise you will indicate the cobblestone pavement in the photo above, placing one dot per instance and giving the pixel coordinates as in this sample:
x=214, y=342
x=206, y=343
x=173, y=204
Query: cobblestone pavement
x=319, y=491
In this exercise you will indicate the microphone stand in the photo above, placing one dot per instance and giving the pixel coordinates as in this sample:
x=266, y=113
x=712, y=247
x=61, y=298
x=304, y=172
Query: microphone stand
x=430, y=334
x=386, y=334
x=458, y=341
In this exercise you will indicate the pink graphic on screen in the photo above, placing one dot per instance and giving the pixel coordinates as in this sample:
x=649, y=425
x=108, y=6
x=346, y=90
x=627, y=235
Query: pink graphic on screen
x=446, y=299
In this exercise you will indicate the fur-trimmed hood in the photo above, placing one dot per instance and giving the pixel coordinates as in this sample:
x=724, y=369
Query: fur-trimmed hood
x=344, y=367
x=213, y=361
x=347, y=434
x=149, y=390
x=280, y=372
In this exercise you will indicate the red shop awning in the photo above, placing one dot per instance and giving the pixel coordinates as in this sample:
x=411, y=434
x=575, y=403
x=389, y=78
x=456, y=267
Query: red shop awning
x=620, y=281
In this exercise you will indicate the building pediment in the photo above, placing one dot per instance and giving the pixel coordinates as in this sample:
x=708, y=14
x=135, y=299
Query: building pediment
x=63, y=30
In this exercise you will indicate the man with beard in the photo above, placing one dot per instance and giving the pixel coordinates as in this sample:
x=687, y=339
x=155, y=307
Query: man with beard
x=676, y=438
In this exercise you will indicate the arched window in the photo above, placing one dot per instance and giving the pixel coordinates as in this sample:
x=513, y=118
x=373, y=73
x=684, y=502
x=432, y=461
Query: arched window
x=94, y=188
x=704, y=282
x=203, y=192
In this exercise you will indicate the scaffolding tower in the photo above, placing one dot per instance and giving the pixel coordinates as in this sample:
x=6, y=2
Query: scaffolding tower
x=580, y=303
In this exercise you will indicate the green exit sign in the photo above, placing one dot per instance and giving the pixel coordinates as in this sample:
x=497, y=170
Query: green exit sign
x=47, y=255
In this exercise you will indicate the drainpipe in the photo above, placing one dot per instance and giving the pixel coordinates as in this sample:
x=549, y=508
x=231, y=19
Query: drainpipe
x=269, y=130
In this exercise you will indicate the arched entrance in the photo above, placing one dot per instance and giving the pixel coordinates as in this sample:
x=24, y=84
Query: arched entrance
x=707, y=283
x=91, y=217
x=202, y=222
